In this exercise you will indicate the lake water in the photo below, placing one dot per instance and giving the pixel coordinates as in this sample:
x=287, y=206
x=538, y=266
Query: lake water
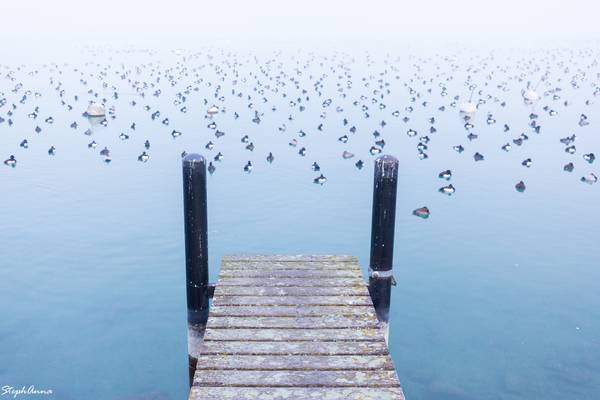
x=497, y=294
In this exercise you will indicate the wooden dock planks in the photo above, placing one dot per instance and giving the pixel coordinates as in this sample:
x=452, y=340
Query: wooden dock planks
x=293, y=327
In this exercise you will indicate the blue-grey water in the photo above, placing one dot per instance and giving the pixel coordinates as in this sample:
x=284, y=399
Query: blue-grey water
x=497, y=294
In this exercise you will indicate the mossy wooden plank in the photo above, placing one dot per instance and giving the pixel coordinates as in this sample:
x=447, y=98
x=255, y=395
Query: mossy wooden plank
x=292, y=300
x=282, y=334
x=222, y=290
x=303, y=258
x=290, y=273
x=291, y=311
x=285, y=362
x=366, y=378
x=283, y=282
x=283, y=265
x=326, y=321
x=294, y=348
x=271, y=393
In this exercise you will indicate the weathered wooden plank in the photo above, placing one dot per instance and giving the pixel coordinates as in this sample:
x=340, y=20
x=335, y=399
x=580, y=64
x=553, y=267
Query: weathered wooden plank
x=277, y=265
x=326, y=321
x=294, y=348
x=290, y=273
x=367, y=378
x=270, y=393
x=292, y=300
x=303, y=258
x=221, y=290
x=285, y=362
x=291, y=311
x=283, y=335
x=274, y=281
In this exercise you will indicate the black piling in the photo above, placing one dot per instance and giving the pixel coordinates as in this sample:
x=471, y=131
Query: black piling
x=382, y=236
x=196, y=253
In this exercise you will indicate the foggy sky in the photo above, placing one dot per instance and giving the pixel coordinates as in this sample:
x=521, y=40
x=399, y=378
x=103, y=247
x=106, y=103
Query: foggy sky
x=184, y=23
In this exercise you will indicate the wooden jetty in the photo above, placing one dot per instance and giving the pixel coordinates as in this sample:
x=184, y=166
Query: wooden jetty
x=290, y=327
x=293, y=327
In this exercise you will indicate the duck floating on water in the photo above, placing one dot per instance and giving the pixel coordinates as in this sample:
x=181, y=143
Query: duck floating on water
x=449, y=190
x=374, y=150
x=320, y=179
x=447, y=174
x=590, y=178
x=11, y=161
x=569, y=167
x=211, y=168
x=422, y=212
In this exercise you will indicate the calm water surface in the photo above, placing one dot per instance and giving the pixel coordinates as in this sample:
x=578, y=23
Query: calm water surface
x=497, y=294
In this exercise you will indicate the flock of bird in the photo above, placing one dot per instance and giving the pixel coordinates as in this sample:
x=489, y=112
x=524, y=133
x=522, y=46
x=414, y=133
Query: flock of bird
x=319, y=84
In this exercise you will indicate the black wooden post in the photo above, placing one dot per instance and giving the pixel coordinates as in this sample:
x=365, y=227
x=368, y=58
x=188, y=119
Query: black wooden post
x=196, y=253
x=382, y=236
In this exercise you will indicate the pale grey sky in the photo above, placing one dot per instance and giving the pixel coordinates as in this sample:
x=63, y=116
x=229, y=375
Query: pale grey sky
x=188, y=22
